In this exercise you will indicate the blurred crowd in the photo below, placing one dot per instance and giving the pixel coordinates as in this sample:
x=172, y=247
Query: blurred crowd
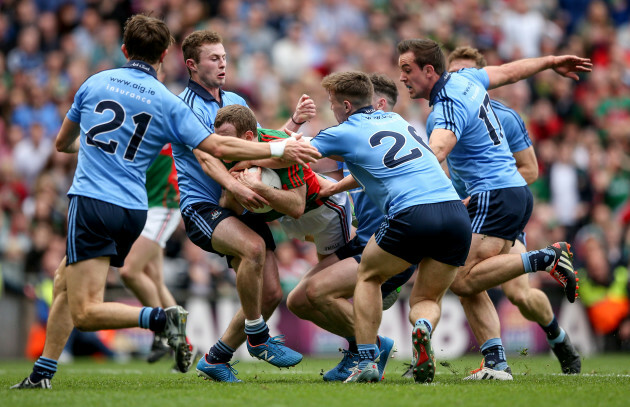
x=280, y=49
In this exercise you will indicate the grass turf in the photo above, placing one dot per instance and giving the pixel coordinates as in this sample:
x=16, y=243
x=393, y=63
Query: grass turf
x=605, y=381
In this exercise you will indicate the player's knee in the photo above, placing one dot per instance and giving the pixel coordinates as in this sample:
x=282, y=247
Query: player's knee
x=297, y=303
x=461, y=289
x=81, y=319
x=517, y=298
x=254, y=251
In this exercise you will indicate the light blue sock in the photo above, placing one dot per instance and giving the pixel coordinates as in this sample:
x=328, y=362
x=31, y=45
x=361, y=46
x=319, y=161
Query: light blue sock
x=426, y=323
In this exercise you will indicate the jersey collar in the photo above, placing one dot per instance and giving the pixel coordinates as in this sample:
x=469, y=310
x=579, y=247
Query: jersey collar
x=365, y=109
x=141, y=66
x=203, y=93
x=438, y=87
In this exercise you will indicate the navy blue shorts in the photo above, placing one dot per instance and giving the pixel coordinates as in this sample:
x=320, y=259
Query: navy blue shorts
x=97, y=229
x=354, y=249
x=440, y=231
x=501, y=213
x=200, y=220
x=522, y=238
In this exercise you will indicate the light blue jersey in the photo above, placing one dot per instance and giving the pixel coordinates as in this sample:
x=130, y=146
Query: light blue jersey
x=194, y=184
x=388, y=158
x=369, y=217
x=126, y=116
x=514, y=130
x=481, y=157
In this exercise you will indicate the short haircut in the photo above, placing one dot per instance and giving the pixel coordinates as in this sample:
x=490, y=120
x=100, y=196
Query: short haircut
x=426, y=52
x=354, y=86
x=239, y=116
x=468, y=53
x=146, y=38
x=191, y=47
x=385, y=87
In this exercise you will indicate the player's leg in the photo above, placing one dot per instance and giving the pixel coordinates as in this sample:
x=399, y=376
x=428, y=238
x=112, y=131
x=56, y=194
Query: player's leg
x=58, y=331
x=432, y=281
x=377, y=265
x=134, y=275
x=480, y=312
x=534, y=305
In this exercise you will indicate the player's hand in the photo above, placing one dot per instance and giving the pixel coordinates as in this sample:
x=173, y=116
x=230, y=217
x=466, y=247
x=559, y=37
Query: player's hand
x=240, y=166
x=466, y=201
x=246, y=197
x=568, y=65
x=305, y=109
x=300, y=152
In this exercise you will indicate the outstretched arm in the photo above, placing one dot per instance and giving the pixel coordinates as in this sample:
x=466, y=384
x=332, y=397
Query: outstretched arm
x=565, y=65
x=232, y=148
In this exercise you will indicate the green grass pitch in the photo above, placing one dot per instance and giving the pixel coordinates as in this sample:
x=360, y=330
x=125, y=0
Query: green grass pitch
x=88, y=383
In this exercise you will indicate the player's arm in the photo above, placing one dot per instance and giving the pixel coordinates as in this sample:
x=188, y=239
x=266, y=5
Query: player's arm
x=442, y=142
x=328, y=188
x=67, y=140
x=235, y=149
x=304, y=111
x=527, y=164
x=215, y=169
x=291, y=202
x=564, y=65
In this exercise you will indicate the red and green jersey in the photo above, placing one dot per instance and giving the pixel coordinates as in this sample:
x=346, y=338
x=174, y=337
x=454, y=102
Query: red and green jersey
x=161, y=184
x=291, y=177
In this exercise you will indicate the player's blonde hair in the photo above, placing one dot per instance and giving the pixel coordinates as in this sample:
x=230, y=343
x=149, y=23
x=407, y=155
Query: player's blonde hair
x=353, y=86
x=470, y=53
x=239, y=116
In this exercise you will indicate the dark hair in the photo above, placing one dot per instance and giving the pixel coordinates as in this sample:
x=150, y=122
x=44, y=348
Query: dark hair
x=426, y=52
x=354, y=86
x=239, y=116
x=385, y=86
x=468, y=53
x=193, y=42
x=146, y=38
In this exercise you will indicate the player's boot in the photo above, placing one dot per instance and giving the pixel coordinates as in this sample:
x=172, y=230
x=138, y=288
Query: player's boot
x=344, y=369
x=387, y=348
x=487, y=373
x=275, y=352
x=219, y=372
x=175, y=332
x=159, y=349
x=28, y=384
x=365, y=372
x=423, y=360
x=568, y=356
x=562, y=269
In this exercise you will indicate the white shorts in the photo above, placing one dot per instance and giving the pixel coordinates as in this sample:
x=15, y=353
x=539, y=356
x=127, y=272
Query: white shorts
x=161, y=223
x=329, y=224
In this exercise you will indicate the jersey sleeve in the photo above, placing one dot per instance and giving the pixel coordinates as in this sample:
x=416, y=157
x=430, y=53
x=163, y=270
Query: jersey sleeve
x=74, y=113
x=480, y=75
x=291, y=177
x=516, y=133
x=328, y=144
x=430, y=124
x=449, y=114
x=188, y=128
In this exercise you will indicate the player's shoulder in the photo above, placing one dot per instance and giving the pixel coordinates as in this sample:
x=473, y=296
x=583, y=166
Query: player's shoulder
x=505, y=112
x=232, y=98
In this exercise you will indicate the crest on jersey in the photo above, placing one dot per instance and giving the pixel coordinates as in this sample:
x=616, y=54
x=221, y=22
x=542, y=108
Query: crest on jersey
x=215, y=214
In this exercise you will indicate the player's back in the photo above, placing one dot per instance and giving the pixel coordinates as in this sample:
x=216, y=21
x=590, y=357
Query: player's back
x=481, y=156
x=388, y=158
x=126, y=116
